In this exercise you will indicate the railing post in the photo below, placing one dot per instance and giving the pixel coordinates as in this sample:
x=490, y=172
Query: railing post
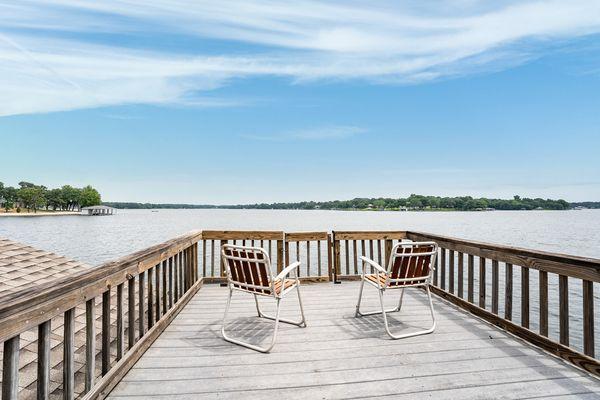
x=336, y=259
x=329, y=263
x=588, y=318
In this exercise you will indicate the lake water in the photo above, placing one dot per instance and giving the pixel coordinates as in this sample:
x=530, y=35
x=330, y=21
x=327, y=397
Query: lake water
x=98, y=239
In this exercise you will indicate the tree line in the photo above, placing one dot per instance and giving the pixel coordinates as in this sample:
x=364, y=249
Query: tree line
x=34, y=197
x=413, y=202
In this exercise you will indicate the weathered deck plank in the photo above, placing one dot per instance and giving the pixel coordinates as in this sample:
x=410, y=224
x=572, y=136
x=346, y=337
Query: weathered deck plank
x=339, y=356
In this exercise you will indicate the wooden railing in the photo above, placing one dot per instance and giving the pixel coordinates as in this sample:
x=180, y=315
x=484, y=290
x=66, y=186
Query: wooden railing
x=312, y=249
x=497, y=283
x=149, y=288
x=138, y=295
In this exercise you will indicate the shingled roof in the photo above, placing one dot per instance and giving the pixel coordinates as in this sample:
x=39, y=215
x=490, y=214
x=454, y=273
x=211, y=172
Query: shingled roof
x=23, y=266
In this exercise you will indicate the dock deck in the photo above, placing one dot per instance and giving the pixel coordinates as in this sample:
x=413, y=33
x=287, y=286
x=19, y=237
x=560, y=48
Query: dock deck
x=338, y=356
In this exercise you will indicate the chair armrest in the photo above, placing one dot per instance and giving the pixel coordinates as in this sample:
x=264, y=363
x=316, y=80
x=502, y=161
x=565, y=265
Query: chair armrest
x=287, y=270
x=373, y=264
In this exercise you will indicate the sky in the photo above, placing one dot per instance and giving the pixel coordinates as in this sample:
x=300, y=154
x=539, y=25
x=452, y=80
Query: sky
x=250, y=101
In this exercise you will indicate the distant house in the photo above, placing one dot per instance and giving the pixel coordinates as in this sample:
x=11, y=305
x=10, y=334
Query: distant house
x=370, y=207
x=98, y=210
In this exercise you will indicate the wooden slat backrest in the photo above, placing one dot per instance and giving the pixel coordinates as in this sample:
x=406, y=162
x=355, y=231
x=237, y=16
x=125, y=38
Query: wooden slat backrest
x=412, y=260
x=249, y=268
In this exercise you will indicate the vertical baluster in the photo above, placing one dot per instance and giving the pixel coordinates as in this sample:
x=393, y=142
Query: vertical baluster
x=196, y=264
x=482, y=286
x=203, y=259
x=170, y=282
x=307, y=258
x=371, y=253
x=436, y=271
x=460, y=275
x=90, y=343
x=443, y=268
x=588, y=318
x=69, y=355
x=470, y=277
x=150, y=297
x=130, y=312
x=270, y=249
x=280, y=256
x=298, y=254
x=563, y=300
x=329, y=255
x=141, y=303
x=176, y=275
x=287, y=253
x=212, y=258
x=495, y=283
x=105, y=331
x=379, y=253
x=43, y=360
x=355, y=255
x=347, y=253
x=508, y=291
x=157, y=283
x=388, y=246
x=525, y=297
x=182, y=257
x=319, y=257
x=165, y=299
x=451, y=272
x=543, y=289
x=120, y=327
x=10, y=369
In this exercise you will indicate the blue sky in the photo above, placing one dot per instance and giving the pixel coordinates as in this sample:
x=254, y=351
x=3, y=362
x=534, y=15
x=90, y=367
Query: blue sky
x=241, y=102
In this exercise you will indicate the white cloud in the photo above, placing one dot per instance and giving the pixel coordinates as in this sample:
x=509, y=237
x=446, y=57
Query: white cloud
x=318, y=133
x=53, y=56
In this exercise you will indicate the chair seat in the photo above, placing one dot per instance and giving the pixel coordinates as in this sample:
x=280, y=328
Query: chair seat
x=373, y=278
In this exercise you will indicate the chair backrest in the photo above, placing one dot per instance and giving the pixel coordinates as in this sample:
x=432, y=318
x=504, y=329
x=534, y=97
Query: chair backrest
x=248, y=268
x=412, y=260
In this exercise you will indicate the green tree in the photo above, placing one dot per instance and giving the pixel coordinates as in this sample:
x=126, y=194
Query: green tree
x=90, y=197
x=31, y=197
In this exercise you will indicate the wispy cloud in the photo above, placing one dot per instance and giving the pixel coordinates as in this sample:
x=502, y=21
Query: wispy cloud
x=59, y=55
x=318, y=133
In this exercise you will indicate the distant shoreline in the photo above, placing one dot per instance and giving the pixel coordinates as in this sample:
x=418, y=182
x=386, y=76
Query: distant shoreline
x=39, y=214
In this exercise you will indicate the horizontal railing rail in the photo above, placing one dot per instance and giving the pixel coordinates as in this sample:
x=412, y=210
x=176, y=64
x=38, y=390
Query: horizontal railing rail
x=121, y=307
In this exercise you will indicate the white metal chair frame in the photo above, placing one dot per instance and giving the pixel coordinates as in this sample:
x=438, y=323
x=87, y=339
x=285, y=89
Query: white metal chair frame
x=385, y=281
x=250, y=285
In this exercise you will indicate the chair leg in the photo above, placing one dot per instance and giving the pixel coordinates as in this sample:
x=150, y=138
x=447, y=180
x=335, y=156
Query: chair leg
x=249, y=345
x=301, y=323
x=411, y=334
x=358, y=313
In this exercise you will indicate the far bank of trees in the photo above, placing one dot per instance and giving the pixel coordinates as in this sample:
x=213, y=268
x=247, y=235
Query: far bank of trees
x=413, y=202
x=31, y=197
x=420, y=202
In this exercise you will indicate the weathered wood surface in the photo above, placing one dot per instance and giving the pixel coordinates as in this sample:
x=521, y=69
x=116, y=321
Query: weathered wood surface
x=573, y=266
x=339, y=356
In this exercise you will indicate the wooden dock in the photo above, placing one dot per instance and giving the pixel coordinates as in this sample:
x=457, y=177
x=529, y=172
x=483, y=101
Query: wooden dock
x=339, y=356
x=147, y=325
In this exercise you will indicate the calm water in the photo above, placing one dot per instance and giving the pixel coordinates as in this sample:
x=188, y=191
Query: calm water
x=98, y=239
